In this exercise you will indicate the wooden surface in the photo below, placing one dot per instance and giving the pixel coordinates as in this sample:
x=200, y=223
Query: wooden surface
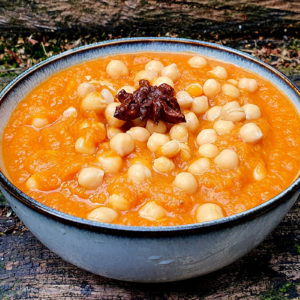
x=28, y=270
x=197, y=17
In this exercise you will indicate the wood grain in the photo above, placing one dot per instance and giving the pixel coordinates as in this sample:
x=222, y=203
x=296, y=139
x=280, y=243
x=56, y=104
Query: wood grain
x=198, y=17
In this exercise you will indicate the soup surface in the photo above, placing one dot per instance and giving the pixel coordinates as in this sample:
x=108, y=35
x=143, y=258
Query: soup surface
x=238, y=147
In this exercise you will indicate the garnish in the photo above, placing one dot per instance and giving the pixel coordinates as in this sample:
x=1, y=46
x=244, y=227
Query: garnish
x=149, y=102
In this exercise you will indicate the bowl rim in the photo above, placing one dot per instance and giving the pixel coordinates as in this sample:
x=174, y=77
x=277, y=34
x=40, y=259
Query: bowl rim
x=147, y=231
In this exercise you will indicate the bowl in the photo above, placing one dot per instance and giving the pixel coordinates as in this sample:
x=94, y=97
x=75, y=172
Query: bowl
x=145, y=254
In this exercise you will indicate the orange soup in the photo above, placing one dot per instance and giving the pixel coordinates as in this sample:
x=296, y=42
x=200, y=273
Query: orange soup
x=192, y=139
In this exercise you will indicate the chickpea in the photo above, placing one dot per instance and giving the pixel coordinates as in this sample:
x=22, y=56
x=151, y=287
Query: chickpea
x=219, y=72
x=144, y=74
x=90, y=178
x=232, y=111
x=102, y=214
x=192, y=121
x=199, y=166
x=213, y=113
x=94, y=102
x=122, y=143
x=206, y=136
x=200, y=105
x=209, y=212
x=171, y=71
x=159, y=128
x=163, y=165
x=223, y=127
x=250, y=133
x=84, y=89
x=248, y=84
x=194, y=89
x=211, y=88
x=197, y=62
x=252, y=111
x=157, y=140
x=184, y=99
x=232, y=104
x=112, y=131
x=179, y=133
x=232, y=81
x=110, y=164
x=128, y=89
x=152, y=211
x=140, y=134
x=163, y=79
x=230, y=90
x=100, y=131
x=138, y=173
x=185, y=151
x=107, y=96
x=208, y=150
x=39, y=122
x=118, y=202
x=84, y=124
x=31, y=183
x=154, y=66
x=186, y=182
x=170, y=149
x=96, y=131
x=260, y=172
x=70, y=112
x=109, y=115
x=116, y=69
x=227, y=159
x=85, y=146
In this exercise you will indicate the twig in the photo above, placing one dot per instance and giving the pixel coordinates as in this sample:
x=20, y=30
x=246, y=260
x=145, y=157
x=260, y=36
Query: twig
x=12, y=70
x=44, y=49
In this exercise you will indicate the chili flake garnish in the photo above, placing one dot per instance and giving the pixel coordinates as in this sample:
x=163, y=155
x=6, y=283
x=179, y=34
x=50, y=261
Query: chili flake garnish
x=149, y=102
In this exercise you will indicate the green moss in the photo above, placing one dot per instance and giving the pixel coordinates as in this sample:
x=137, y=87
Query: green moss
x=282, y=293
x=8, y=75
x=11, y=293
x=34, y=51
x=295, y=45
x=2, y=47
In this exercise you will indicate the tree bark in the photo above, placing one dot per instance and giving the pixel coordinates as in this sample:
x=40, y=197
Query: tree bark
x=198, y=17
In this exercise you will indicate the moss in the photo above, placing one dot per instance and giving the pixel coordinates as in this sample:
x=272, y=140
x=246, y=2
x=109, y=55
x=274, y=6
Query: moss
x=281, y=293
x=2, y=47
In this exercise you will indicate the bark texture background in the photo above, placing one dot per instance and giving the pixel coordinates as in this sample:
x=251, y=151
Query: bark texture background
x=195, y=18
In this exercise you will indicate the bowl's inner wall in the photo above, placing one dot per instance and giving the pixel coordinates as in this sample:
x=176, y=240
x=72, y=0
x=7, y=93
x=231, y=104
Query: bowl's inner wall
x=73, y=57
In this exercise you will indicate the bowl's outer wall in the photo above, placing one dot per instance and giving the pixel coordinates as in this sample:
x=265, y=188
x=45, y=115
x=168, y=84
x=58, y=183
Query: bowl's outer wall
x=150, y=259
x=145, y=259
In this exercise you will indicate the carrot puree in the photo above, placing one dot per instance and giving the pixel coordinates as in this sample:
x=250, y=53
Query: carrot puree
x=47, y=152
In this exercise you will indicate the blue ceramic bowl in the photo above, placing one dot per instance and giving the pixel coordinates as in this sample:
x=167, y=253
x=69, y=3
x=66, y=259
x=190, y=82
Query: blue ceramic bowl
x=143, y=254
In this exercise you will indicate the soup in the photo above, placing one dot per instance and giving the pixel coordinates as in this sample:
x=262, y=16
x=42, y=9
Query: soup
x=153, y=139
